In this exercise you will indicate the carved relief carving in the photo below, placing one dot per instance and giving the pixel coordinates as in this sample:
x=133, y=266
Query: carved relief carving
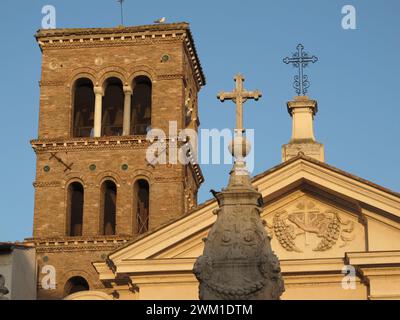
x=308, y=219
x=238, y=262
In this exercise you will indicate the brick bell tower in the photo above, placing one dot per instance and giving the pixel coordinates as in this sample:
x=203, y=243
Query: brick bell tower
x=101, y=90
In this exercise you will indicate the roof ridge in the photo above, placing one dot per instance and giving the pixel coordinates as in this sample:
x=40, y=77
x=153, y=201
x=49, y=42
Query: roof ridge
x=118, y=29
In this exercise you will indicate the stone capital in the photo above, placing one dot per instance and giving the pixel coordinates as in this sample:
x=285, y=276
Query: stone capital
x=98, y=90
x=127, y=89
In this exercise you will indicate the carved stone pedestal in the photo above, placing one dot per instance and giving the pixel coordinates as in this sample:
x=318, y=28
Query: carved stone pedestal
x=238, y=263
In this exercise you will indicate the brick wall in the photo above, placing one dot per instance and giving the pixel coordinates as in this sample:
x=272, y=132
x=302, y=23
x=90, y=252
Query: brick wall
x=62, y=64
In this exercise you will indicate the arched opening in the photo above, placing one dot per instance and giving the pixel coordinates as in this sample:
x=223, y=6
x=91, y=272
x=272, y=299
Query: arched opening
x=108, y=207
x=83, y=108
x=141, y=105
x=141, y=205
x=75, y=284
x=113, y=108
x=75, y=209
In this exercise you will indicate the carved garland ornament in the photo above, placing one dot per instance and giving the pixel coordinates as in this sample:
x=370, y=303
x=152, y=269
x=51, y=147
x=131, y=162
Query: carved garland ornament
x=307, y=219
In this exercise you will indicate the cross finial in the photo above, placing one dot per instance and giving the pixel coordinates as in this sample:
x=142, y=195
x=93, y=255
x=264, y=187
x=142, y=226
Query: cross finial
x=239, y=96
x=300, y=60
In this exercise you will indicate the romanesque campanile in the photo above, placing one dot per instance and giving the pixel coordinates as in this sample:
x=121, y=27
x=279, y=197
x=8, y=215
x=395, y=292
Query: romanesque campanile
x=101, y=91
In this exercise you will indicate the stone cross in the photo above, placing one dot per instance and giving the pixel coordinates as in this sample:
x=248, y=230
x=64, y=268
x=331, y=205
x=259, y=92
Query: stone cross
x=239, y=96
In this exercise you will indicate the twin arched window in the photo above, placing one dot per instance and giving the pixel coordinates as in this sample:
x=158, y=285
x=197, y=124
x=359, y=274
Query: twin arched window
x=108, y=208
x=119, y=108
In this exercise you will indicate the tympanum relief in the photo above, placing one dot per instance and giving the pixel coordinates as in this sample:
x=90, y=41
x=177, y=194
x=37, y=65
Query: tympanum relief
x=310, y=227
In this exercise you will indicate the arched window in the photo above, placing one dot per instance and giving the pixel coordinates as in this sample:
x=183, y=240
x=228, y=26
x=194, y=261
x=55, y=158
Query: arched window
x=141, y=105
x=113, y=108
x=141, y=205
x=83, y=108
x=75, y=284
x=108, y=207
x=75, y=209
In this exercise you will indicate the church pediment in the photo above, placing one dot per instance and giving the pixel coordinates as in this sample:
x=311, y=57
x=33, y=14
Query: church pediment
x=312, y=211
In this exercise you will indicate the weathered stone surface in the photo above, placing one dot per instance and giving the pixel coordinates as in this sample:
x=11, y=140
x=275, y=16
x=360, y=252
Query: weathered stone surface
x=303, y=110
x=3, y=289
x=238, y=262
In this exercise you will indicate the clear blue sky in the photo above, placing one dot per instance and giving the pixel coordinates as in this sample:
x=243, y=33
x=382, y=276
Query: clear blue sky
x=356, y=81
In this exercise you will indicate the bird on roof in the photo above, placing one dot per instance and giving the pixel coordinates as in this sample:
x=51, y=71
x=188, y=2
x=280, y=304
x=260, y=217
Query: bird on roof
x=161, y=20
x=215, y=194
x=260, y=201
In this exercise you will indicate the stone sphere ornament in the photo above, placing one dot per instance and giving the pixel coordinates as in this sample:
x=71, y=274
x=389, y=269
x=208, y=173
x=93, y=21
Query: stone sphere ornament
x=239, y=147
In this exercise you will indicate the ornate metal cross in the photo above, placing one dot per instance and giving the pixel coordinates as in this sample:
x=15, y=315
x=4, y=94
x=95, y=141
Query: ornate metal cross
x=300, y=60
x=239, y=96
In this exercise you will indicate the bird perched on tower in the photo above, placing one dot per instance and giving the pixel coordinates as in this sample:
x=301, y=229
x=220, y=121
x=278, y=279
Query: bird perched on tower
x=161, y=20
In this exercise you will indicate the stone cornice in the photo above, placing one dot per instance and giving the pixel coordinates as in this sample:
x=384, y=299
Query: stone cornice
x=374, y=258
x=61, y=144
x=149, y=267
x=51, y=83
x=47, y=184
x=316, y=172
x=106, y=42
x=93, y=37
x=106, y=143
x=305, y=158
x=76, y=32
x=197, y=173
x=169, y=76
x=95, y=243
